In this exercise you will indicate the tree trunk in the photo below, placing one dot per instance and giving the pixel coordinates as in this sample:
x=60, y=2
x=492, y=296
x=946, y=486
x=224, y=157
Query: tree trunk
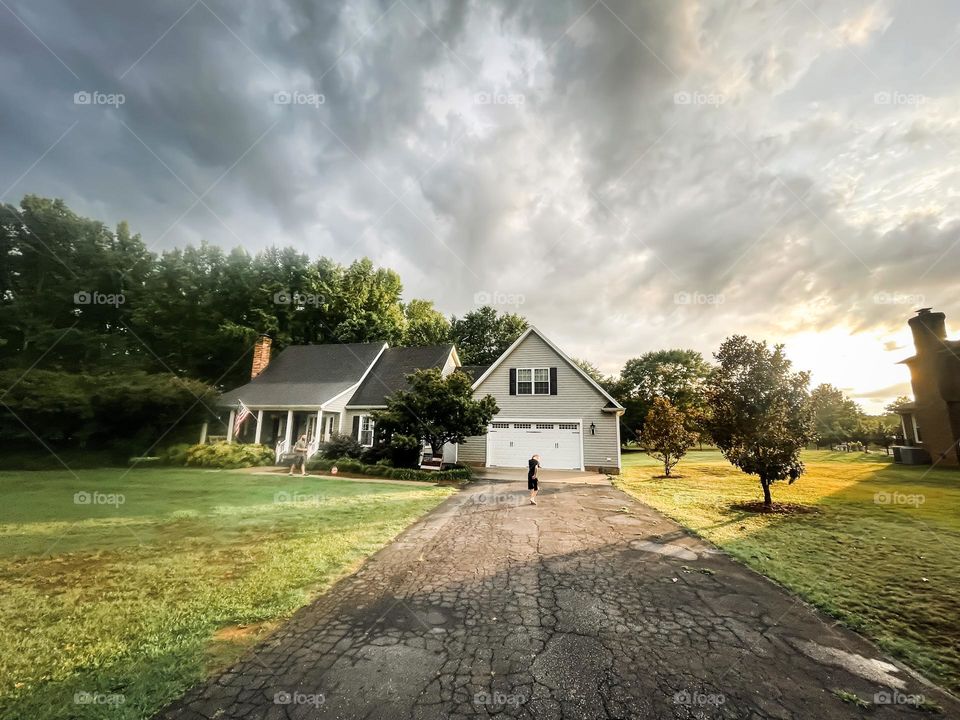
x=767, y=500
x=666, y=468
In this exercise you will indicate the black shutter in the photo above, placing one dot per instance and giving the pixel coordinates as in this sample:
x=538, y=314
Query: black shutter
x=513, y=381
x=356, y=427
x=553, y=381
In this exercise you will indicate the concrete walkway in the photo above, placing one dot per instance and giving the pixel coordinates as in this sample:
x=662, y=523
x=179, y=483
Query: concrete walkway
x=589, y=605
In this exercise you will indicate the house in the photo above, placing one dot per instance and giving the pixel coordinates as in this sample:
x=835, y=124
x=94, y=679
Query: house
x=548, y=405
x=931, y=423
x=322, y=390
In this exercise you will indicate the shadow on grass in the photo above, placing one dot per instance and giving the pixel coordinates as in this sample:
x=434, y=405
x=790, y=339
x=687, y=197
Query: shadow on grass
x=774, y=509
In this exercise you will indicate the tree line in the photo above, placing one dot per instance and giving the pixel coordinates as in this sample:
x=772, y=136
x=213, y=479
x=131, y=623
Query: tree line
x=116, y=331
x=681, y=376
x=118, y=337
x=80, y=297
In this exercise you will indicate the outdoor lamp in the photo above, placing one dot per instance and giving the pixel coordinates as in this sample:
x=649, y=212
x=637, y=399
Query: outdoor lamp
x=593, y=429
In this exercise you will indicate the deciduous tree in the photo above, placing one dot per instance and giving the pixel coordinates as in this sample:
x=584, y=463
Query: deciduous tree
x=437, y=409
x=665, y=435
x=836, y=417
x=760, y=411
x=678, y=375
x=483, y=334
x=424, y=325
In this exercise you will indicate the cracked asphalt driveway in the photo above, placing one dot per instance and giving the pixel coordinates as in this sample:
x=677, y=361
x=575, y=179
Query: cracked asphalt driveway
x=589, y=605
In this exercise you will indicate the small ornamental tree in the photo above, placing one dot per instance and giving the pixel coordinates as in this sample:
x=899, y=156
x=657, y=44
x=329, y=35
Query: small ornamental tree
x=664, y=435
x=438, y=409
x=761, y=416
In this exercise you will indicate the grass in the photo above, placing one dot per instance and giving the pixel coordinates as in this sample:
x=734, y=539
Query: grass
x=132, y=602
x=881, y=553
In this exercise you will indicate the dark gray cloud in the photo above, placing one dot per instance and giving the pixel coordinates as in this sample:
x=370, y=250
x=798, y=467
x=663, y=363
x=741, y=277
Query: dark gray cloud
x=638, y=174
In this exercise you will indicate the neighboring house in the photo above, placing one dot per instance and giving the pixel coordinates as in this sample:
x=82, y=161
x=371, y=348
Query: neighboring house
x=931, y=423
x=548, y=405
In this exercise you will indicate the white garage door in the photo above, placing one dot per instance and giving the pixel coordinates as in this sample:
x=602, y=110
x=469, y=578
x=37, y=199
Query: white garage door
x=511, y=444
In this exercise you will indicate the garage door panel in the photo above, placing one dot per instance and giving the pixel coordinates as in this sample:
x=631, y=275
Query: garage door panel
x=512, y=444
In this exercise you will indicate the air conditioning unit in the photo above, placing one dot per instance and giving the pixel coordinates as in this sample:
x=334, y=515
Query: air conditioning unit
x=910, y=455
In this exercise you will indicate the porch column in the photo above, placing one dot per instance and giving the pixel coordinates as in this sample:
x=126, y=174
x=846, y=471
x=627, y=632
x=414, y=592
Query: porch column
x=289, y=431
x=203, y=434
x=256, y=438
x=319, y=437
x=233, y=416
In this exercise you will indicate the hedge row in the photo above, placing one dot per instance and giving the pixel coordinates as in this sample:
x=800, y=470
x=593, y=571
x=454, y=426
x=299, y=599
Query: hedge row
x=386, y=471
x=218, y=455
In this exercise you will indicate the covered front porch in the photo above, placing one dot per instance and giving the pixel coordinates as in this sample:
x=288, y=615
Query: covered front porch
x=280, y=428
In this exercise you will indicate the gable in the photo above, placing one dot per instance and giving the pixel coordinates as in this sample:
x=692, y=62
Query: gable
x=532, y=350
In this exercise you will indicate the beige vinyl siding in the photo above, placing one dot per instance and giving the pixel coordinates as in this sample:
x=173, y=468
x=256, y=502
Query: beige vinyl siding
x=473, y=450
x=449, y=366
x=336, y=408
x=347, y=427
x=339, y=404
x=576, y=399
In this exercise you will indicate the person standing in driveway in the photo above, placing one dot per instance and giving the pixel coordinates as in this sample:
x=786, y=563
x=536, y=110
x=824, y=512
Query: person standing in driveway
x=533, y=468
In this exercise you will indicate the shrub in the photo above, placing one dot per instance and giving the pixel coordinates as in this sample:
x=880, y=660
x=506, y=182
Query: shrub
x=378, y=452
x=351, y=465
x=174, y=454
x=341, y=446
x=127, y=411
x=405, y=451
x=228, y=455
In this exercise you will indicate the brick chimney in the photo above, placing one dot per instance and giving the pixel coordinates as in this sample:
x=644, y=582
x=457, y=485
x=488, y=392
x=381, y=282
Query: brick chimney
x=929, y=330
x=261, y=355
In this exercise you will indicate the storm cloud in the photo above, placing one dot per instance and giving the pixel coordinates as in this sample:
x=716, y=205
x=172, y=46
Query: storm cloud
x=639, y=174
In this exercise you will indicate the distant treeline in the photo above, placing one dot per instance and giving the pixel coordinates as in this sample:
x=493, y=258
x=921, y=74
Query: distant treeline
x=104, y=343
x=80, y=297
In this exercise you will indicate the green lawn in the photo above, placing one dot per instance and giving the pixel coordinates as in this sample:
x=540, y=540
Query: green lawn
x=882, y=552
x=142, y=598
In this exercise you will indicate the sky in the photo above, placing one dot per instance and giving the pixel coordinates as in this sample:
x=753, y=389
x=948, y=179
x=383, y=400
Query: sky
x=628, y=175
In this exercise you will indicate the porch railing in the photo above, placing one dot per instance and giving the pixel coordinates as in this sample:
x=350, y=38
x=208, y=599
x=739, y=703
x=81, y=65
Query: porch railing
x=281, y=449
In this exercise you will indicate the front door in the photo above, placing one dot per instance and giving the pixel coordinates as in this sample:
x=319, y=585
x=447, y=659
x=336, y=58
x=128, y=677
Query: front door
x=332, y=423
x=311, y=427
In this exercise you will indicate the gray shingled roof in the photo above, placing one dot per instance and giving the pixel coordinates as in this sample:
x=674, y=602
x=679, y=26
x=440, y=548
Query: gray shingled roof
x=390, y=372
x=306, y=375
x=475, y=371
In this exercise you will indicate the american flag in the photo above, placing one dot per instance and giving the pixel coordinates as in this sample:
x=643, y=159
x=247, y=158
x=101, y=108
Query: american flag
x=243, y=412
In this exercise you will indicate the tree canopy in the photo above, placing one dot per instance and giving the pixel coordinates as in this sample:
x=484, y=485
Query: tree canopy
x=483, y=334
x=836, y=417
x=679, y=375
x=665, y=435
x=80, y=297
x=438, y=409
x=760, y=411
